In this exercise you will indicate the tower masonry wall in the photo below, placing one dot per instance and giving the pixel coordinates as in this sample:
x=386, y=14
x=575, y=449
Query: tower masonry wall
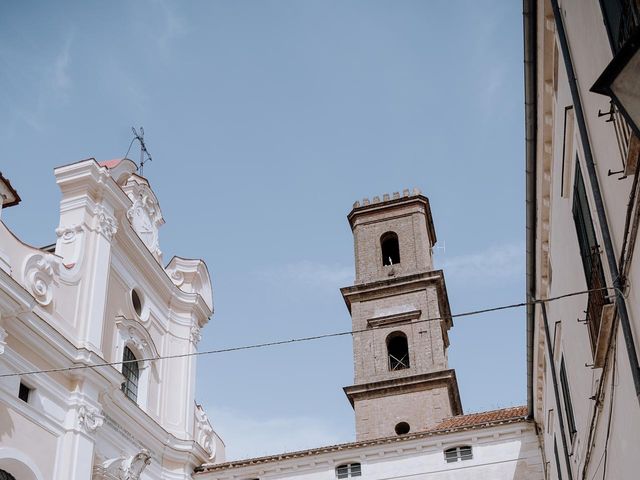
x=427, y=351
x=377, y=417
x=410, y=221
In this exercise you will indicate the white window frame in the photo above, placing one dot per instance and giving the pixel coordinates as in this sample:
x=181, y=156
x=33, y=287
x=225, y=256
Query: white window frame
x=353, y=469
x=132, y=334
x=459, y=455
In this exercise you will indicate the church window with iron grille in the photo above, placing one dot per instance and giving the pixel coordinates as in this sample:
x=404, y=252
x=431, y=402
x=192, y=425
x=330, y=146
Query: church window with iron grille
x=348, y=470
x=4, y=475
x=131, y=372
x=398, y=351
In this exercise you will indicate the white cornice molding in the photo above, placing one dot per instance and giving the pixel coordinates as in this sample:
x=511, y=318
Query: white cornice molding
x=134, y=423
x=164, y=292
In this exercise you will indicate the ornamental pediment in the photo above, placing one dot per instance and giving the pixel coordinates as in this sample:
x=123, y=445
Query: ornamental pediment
x=144, y=214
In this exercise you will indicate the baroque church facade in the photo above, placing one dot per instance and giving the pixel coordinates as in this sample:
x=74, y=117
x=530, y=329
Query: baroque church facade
x=100, y=296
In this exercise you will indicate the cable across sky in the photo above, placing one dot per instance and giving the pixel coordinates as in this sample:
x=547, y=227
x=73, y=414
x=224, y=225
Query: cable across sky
x=300, y=339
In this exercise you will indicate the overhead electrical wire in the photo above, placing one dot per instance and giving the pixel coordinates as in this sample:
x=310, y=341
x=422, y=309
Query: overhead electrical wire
x=296, y=340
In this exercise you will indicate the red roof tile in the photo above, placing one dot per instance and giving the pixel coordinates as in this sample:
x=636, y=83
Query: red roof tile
x=481, y=418
x=110, y=163
x=459, y=423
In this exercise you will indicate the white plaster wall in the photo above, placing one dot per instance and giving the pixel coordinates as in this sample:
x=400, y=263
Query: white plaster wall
x=499, y=453
x=590, y=50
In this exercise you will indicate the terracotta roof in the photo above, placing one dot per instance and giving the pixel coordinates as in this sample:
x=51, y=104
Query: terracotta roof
x=110, y=163
x=474, y=419
x=448, y=425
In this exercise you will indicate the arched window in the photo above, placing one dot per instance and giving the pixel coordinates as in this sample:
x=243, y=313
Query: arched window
x=131, y=372
x=348, y=470
x=390, y=248
x=458, y=454
x=6, y=476
x=398, y=351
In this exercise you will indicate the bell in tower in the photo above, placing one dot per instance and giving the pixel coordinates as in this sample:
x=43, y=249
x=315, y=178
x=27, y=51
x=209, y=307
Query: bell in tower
x=400, y=311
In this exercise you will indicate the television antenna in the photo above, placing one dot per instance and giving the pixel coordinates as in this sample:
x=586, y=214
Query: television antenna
x=145, y=156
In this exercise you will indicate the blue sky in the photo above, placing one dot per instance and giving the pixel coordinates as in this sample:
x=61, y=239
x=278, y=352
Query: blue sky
x=266, y=121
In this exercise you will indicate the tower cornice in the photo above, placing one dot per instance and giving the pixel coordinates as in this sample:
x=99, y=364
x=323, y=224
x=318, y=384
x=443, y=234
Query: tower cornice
x=370, y=209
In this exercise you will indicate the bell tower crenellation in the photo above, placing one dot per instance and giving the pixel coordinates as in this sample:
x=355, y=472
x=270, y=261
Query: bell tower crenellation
x=400, y=309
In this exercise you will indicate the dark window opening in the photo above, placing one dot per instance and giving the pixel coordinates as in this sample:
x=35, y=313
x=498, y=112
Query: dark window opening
x=6, y=475
x=555, y=453
x=566, y=397
x=590, y=255
x=458, y=454
x=24, y=392
x=348, y=470
x=390, y=248
x=137, y=302
x=131, y=372
x=398, y=351
x=622, y=18
x=402, y=428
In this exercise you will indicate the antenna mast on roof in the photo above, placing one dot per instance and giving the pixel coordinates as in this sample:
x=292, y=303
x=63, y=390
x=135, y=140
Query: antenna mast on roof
x=143, y=148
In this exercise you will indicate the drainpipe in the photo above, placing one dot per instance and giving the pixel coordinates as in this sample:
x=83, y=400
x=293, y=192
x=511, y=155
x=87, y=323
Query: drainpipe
x=597, y=195
x=530, y=109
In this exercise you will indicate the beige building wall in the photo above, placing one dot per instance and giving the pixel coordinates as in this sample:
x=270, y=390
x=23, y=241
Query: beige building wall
x=596, y=391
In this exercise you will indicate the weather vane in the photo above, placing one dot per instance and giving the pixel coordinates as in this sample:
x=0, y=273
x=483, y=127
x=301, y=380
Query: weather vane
x=145, y=156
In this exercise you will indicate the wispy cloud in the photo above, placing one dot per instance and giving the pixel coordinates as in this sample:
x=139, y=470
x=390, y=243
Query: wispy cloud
x=310, y=274
x=496, y=262
x=48, y=84
x=61, y=81
x=172, y=26
x=246, y=437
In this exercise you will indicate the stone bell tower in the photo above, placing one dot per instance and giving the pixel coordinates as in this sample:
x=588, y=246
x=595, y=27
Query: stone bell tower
x=400, y=309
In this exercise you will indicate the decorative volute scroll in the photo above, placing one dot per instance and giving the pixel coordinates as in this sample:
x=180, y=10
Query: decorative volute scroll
x=204, y=433
x=122, y=468
x=191, y=276
x=40, y=270
x=144, y=214
x=90, y=418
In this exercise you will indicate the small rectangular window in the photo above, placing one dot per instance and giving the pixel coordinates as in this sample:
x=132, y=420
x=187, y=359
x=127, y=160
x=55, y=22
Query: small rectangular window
x=24, y=392
x=348, y=470
x=458, y=454
x=566, y=396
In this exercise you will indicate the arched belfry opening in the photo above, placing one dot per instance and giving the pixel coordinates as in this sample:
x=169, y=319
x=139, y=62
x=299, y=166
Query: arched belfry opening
x=390, y=248
x=398, y=351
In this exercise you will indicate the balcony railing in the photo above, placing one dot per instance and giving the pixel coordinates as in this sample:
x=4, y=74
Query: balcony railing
x=597, y=298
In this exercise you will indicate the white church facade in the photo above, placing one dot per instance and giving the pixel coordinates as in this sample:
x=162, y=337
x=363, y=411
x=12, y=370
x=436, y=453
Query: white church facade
x=101, y=295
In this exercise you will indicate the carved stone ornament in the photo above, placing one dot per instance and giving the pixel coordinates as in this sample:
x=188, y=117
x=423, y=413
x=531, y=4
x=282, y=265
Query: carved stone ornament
x=68, y=234
x=105, y=223
x=39, y=272
x=122, y=468
x=204, y=432
x=136, y=341
x=145, y=218
x=3, y=339
x=90, y=418
x=194, y=335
